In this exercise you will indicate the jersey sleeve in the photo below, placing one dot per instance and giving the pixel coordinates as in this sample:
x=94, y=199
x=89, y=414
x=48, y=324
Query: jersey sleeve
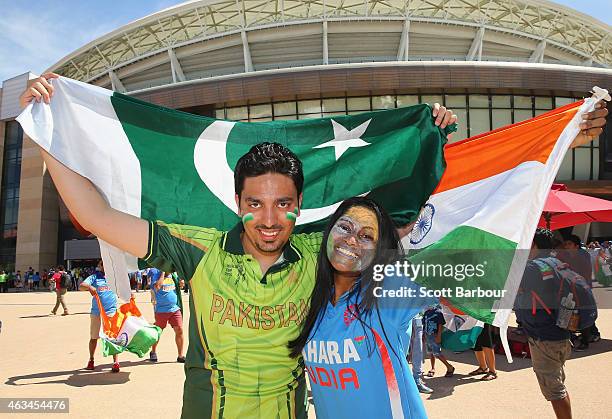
x=88, y=280
x=177, y=247
x=401, y=299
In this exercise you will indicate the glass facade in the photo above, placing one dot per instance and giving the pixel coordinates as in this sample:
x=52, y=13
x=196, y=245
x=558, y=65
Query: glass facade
x=9, y=198
x=477, y=113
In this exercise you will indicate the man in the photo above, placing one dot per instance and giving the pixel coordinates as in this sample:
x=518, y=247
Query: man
x=138, y=280
x=549, y=345
x=578, y=258
x=11, y=278
x=145, y=279
x=30, y=278
x=416, y=354
x=74, y=279
x=18, y=281
x=580, y=262
x=61, y=284
x=168, y=307
x=249, y=286
x=96, y=285
x=45, y=278
x=36, y=280
x=3, y=282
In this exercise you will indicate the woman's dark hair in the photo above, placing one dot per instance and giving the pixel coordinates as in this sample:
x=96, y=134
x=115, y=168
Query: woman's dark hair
x=388, y=250
x=268, y=158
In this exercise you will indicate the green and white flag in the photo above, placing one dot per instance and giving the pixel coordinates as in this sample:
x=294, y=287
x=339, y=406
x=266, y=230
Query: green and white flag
x=159, y=163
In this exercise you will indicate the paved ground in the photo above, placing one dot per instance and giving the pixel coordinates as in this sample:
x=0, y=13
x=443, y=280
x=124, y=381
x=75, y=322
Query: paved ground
x=42, y=356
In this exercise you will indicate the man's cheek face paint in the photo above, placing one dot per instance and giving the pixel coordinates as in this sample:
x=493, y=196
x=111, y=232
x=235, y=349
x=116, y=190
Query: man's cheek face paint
x=292, y=215
x=247, y=217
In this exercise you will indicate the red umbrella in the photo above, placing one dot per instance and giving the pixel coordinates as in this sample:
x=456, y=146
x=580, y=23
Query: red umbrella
x=566, y=209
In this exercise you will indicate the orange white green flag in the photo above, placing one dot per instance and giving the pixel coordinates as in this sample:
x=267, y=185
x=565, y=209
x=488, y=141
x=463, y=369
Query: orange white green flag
x=473, y=236
x=126, y=330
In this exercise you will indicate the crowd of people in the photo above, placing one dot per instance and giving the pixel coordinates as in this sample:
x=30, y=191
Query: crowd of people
x=31, y=280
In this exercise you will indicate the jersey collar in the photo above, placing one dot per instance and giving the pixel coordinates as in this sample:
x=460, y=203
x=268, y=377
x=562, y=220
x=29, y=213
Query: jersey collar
x=231, y=243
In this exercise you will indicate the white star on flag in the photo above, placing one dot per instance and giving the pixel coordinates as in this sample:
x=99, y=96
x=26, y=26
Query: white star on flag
x=345, y=139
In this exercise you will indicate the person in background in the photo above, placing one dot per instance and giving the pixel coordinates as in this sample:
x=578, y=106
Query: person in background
x=579, y=261
x=3, y=282
x=30, y=278
x=138, y=278
x=416, y=354
x=145, y=279
x=433, y=321
x=36, y=280
x=61, y=283
x=96, y=285
x=165, y=291
x=483, y=350
x=44, y=277
x=18, y=281
x=549, y=345
x=11, y=279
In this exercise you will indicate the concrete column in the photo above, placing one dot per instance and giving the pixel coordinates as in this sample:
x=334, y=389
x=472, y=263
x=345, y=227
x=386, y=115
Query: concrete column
x=38, y=220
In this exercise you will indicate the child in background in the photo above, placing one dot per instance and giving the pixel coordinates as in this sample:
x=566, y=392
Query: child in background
x=433, y=320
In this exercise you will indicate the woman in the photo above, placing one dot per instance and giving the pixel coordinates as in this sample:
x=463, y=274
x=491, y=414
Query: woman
x=353, y=339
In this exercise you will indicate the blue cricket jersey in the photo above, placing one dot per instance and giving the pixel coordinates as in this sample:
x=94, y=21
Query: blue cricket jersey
x=360, y=371
x=106, y=294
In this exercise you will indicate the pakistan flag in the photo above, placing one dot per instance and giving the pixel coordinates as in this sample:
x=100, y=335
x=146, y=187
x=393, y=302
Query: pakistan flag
x=161, y=164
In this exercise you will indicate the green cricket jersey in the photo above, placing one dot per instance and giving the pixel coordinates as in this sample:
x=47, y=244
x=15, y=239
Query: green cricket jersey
x=241, y=320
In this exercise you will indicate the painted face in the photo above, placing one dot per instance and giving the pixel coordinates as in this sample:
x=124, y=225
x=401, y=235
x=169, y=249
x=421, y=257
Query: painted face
x=351, y=245
x=264, y=204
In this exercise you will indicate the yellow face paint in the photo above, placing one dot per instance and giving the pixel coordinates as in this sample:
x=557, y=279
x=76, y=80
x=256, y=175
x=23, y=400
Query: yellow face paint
x=366, y=218
x=351, y=244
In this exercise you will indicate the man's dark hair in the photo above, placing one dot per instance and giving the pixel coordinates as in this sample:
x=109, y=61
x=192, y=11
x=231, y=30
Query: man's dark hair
x=574, y=239
x=543, y=238
x=268, y=158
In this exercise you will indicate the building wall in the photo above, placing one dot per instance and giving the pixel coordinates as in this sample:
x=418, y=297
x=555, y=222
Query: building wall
x=363, y=80
x=38, y=213
x=2, y=134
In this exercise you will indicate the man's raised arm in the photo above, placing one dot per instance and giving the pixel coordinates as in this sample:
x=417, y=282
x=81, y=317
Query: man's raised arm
x=83, y=200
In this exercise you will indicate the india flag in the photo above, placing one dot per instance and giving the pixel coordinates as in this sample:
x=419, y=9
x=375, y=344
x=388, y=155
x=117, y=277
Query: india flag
x=460, y=331
x=126, y=330
x=474, y=233
x=162, y=164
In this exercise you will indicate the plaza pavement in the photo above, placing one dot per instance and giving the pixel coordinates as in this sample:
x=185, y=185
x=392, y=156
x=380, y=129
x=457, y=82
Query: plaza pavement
x=44, y=355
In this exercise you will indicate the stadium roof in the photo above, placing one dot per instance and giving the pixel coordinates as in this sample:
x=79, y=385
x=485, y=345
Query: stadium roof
x=201, y=39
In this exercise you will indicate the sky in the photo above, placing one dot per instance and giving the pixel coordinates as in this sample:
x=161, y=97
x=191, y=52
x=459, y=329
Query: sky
x=36, y=34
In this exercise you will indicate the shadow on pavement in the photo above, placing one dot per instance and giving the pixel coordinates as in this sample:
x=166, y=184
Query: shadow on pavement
x=444, y=386
x=595, y=348
x=501, y=364
x=80, y=377
x=53, y=315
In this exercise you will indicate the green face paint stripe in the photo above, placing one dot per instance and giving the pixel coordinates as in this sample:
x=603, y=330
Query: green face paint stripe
x=292, y=216
x=247, y=217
